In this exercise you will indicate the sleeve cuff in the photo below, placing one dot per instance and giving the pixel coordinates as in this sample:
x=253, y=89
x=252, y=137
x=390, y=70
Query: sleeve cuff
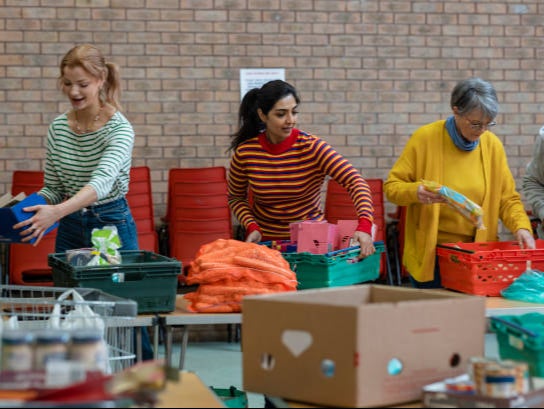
x=251, y=228
x=365, y=226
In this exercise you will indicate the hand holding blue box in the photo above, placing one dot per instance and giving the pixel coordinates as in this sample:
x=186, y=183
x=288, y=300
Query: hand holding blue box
x=10, y=216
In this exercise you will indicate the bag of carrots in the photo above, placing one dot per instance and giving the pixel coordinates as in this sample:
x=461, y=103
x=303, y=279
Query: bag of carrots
x=459, y=202
x=227, y=270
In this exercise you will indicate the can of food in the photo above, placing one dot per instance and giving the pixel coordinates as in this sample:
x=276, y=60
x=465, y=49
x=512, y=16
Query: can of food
x=523, y=379
x=50, y=345
x=500, y=381
x=477, y=366
x=89, y=348
x=17, y=350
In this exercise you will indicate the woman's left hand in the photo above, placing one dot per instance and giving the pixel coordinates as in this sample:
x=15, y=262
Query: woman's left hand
x=366, y=243
x=525, y=239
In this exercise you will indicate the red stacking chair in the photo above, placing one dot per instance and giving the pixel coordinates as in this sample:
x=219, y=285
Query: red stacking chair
x=140, y=201
x=28, y=181
x=339, y=206
x=198, y=211
x=27, y=264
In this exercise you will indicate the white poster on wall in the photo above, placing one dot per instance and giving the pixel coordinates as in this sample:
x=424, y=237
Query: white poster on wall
x=255, y=77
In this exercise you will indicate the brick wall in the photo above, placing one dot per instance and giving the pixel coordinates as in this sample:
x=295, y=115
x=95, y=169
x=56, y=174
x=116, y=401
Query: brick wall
x=369, y=71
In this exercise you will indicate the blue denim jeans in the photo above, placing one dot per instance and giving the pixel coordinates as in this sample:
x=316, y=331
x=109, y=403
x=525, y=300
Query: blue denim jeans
x=75, y=230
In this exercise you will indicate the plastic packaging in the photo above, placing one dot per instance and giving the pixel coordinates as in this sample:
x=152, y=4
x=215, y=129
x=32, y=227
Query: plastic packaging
x=528, y=287
x=459, y=202
x=107, y=243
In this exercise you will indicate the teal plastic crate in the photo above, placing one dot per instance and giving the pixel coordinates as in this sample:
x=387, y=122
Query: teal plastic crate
x=148, y=278
x=336, y=268
x=521, y=338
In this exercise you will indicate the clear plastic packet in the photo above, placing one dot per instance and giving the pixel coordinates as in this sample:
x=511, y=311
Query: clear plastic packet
x=80, y=257
x=459, y=202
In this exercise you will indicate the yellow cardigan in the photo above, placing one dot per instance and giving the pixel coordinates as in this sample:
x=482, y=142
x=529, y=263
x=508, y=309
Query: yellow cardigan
x=422, y=158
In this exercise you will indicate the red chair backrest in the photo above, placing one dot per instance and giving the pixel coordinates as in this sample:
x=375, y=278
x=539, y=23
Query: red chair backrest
x=197, y=210
x=27, y=264
x=140, y=201
x=28, y=181
x=339, y=206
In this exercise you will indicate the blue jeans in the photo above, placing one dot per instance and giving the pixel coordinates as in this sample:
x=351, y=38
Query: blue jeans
x=75, y=230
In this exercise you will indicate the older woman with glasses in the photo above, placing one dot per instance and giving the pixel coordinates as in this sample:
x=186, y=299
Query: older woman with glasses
x=459, y=152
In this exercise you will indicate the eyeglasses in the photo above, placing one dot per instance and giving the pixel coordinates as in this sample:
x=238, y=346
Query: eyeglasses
x=476, y=126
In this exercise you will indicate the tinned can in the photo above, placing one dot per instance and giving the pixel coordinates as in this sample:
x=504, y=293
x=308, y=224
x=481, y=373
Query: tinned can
x=17, y=350
x=89, y=348
x=50, y=345
x=500, y=381
x=477, y=367
x=523, y=378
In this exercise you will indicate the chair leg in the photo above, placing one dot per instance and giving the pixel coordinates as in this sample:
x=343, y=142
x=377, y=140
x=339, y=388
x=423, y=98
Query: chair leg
x=390, y=280
x=392, y=237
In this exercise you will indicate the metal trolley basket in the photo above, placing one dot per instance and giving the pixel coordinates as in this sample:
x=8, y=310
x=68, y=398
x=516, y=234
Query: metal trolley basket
x=33, y=307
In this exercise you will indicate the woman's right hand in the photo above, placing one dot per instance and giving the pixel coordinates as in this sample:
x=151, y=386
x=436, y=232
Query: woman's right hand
x=35, y=227
x=426, y=197
x=254, y=237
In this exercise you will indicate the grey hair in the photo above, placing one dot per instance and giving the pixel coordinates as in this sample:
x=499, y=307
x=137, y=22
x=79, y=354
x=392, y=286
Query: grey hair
x=475, y=93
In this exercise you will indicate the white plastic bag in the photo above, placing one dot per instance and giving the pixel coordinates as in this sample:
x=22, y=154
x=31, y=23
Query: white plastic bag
x=81, y=316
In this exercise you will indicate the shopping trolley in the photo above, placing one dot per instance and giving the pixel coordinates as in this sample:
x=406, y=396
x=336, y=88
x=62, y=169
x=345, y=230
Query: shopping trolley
x=33, y=308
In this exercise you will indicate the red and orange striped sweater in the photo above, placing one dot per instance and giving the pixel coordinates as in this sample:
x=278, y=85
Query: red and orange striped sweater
x=285, y=182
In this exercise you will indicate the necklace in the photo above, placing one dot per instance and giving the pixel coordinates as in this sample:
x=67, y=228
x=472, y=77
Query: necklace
x=89, y=128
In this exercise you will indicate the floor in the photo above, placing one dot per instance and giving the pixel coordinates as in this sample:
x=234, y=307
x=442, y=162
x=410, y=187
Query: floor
x=219, y=364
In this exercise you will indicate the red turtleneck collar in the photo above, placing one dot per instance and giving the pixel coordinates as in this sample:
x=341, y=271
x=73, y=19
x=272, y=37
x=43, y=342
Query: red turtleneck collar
x=277, y=148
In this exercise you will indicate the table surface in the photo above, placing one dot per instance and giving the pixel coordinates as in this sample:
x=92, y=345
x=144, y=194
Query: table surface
x=501, y=306
x=182, y=316
x=188, y=392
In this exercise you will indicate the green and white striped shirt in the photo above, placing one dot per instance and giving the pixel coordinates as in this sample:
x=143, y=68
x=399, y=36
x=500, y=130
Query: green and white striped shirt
x=101, y=159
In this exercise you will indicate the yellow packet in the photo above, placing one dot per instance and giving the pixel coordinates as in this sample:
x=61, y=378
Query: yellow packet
x=459, y=202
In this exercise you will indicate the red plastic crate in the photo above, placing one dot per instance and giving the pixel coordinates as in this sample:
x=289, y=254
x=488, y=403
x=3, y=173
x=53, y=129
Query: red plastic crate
x=486, y=268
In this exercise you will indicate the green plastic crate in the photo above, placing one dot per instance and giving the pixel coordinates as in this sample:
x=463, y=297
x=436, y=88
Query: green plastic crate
x=231, y=397
x=336, y=268
x=521, y=338
x=148, y=278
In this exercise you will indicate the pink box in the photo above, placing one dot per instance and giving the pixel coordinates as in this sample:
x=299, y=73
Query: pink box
x=316, y=237
x=344, y=233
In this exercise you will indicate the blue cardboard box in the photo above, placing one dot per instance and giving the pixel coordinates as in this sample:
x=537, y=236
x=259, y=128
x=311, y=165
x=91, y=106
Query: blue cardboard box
x=11, y=215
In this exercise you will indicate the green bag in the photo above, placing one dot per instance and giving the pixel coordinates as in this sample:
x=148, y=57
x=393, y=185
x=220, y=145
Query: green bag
x=528, y=287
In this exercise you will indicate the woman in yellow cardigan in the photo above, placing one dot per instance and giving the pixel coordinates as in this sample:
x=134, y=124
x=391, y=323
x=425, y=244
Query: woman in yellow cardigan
x=461, y=153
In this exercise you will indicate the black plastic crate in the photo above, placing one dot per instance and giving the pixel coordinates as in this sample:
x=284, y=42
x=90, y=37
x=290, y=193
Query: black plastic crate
x=148, y=278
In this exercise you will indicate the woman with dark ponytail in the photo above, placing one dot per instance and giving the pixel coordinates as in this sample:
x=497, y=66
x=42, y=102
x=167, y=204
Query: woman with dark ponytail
x=283, y=169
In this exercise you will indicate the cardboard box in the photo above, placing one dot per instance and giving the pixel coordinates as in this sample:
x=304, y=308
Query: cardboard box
x=358, y=346
x=13, y=214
